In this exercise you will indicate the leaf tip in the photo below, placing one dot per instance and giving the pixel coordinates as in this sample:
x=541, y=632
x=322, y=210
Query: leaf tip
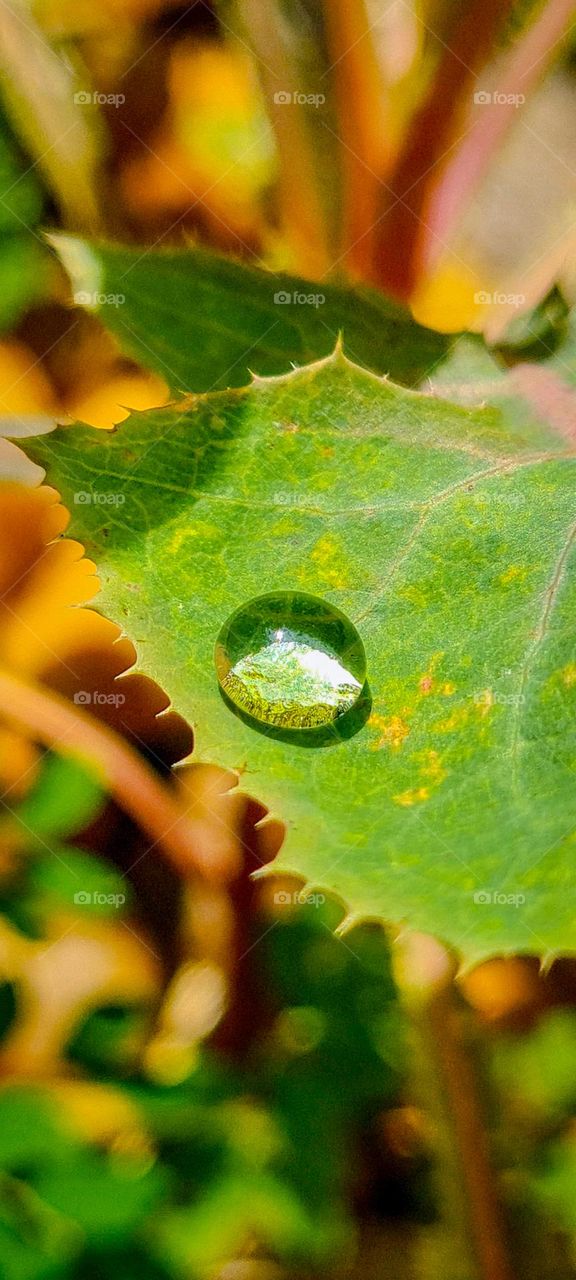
x=546, y=962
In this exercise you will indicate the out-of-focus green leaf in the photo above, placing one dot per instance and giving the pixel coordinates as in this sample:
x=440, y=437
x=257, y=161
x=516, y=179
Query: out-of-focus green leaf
x=71, y=878
x=25, y=274
x=127, y=1263
x=107, y=1198
x=555, y=1182
x=237, y=1144
x=35, y=1242
x=28, y=1128
x=537, y=335
x=204, y=322
x=539, y=1069
x=24, y=259
x=109, y=1038
x=52, y=875
x=240, y=1205
x=21, y=198
x=65, y=799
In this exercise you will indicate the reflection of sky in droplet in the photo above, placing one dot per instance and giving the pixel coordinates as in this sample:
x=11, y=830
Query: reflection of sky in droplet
x=290, y=661
x=290, y=678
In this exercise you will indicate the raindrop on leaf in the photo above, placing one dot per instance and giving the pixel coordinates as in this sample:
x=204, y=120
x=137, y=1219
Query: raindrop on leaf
x=290, y=661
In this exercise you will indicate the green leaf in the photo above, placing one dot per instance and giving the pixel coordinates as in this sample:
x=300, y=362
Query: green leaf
x=555, y=1183
x=76, y=880
x=537, y=1070
x=192, y=1240
x=109, y=1038
x=108, y=1201
x=25, y=272
x=21, y=201
x=65, y=799
x=205, y=322
x=130, y=1262
x=35, y=1242
x=24, y=259
x=106, y=1198
x=28, y=1128
x=537, y=334
x=446, y=535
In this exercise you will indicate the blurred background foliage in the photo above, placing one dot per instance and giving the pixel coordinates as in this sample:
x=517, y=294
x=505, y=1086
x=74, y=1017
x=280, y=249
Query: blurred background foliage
x=157, y=124
x=275, y=1114
x=204, y=1080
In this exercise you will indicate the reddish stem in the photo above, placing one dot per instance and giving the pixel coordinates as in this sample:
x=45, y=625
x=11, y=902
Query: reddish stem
x=157, y=809
x=433, y=128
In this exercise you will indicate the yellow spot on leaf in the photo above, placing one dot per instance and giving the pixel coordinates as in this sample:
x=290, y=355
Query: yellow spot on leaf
x=416, y=595
x=432, y=767
x=328, y=562
x=408, y=798
x=392, y=731
x=456, y=720
x=569, y=674
x=201, y=529
x=514, y=573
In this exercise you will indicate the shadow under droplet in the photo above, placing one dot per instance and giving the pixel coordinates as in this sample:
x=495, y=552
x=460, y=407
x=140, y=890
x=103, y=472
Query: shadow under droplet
x=328, y=735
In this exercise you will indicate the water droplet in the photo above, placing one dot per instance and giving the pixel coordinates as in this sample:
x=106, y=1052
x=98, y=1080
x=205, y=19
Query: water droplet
x=291, y=662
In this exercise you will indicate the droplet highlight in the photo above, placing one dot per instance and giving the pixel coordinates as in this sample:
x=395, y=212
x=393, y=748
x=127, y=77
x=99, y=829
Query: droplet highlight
x=290, y=661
